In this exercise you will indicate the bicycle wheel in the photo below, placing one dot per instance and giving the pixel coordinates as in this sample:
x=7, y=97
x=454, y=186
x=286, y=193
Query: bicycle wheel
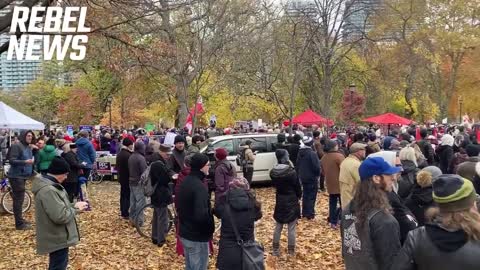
x=95, y=178
x=144, y=228
x=172, y=222
x=7, y=202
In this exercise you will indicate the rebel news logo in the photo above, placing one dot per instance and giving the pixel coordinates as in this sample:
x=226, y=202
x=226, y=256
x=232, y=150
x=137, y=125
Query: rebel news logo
x=54, y=31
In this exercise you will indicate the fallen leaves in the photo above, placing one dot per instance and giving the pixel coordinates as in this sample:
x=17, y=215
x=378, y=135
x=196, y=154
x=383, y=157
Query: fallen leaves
x=109, y=242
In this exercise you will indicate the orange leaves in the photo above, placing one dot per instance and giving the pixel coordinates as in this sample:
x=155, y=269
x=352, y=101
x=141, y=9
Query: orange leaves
x=109, y=242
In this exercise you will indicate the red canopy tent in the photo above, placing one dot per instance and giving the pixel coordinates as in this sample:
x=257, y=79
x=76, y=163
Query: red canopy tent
x=308, y=118
x=388, y=118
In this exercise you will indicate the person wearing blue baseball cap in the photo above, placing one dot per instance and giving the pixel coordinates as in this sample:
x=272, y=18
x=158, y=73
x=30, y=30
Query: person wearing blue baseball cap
x=370, y=233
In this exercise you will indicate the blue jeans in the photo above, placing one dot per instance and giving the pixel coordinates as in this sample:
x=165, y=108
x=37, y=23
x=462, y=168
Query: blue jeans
x=334, y=211
x=196, y=254
x=137, y=202
x=58, y=259
x=310, y=190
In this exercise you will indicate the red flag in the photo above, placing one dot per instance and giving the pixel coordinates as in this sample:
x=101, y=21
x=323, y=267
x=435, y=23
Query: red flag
x=417, y=134
x=198, y=109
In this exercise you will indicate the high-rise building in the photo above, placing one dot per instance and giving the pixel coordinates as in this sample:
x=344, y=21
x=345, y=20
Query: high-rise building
x=358, y=18
x=14, y=73
x=300, y=7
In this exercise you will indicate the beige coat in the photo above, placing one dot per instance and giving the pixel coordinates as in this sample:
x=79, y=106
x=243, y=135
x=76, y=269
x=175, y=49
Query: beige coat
x=349, y=178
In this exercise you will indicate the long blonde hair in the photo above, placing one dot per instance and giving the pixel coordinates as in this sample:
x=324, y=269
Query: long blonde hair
x=467, y=220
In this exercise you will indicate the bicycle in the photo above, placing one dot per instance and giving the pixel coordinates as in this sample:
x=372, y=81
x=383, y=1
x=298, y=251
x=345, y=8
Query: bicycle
x=145, y=228
x=7, y=198
x=94, y=177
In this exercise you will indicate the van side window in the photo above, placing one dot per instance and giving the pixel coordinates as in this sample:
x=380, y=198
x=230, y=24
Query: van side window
x=227, y=144
x=258, y=144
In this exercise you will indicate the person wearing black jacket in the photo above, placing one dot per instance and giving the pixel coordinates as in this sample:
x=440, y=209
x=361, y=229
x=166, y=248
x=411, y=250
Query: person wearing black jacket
x=161, y=197
x=308, y=169
x=195, y=214
x=176, y=162
x=445, y=153
x=123, y=175
x=287, y=196
x=71, y=183
x=426, y=147
x=293, y=149
x=370, y=234
x=240, y=208
x=451, y=238
x=421, y=197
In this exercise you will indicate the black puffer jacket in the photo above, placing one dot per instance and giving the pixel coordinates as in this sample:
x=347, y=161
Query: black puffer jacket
x=288, y=193
x=419, y=201
x=407, y=179
x=245, y=211
x=433, y=247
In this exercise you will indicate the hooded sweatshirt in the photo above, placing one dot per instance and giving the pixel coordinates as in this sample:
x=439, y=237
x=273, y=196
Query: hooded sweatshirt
x=137, y=163
x=19, y=153
x=86, y=152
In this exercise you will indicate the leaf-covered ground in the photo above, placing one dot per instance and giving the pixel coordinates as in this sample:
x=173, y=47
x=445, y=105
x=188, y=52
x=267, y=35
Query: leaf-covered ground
x=109, y=242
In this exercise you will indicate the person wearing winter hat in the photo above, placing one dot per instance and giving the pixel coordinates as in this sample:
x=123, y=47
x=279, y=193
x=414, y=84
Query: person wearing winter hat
x=421, y=198
x=56, y=228
x=288, y=193
x=71, y=184
x=224, y=174
x=195, y=214
x=445, y=153
x=124, y=175
x=451, y=239
x=370, y=234
x=242, y=209
x=308, y=171
x=177, y=159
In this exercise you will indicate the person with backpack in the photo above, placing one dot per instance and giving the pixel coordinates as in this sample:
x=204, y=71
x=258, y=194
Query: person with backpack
x=162, y=195
x=224, y=174
x=247, y=158
x=137, y=164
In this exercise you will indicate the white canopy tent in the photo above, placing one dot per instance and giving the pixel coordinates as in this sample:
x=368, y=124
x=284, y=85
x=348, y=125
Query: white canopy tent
x=12, y=119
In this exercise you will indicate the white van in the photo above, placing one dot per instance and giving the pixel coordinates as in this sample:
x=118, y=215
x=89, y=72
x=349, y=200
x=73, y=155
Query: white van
x=262, y=144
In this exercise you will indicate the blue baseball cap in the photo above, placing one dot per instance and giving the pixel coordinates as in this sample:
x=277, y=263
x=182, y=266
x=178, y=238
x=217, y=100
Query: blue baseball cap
x=376, y=166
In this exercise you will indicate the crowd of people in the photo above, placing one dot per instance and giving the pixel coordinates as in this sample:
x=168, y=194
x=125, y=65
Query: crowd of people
x=408, y=188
